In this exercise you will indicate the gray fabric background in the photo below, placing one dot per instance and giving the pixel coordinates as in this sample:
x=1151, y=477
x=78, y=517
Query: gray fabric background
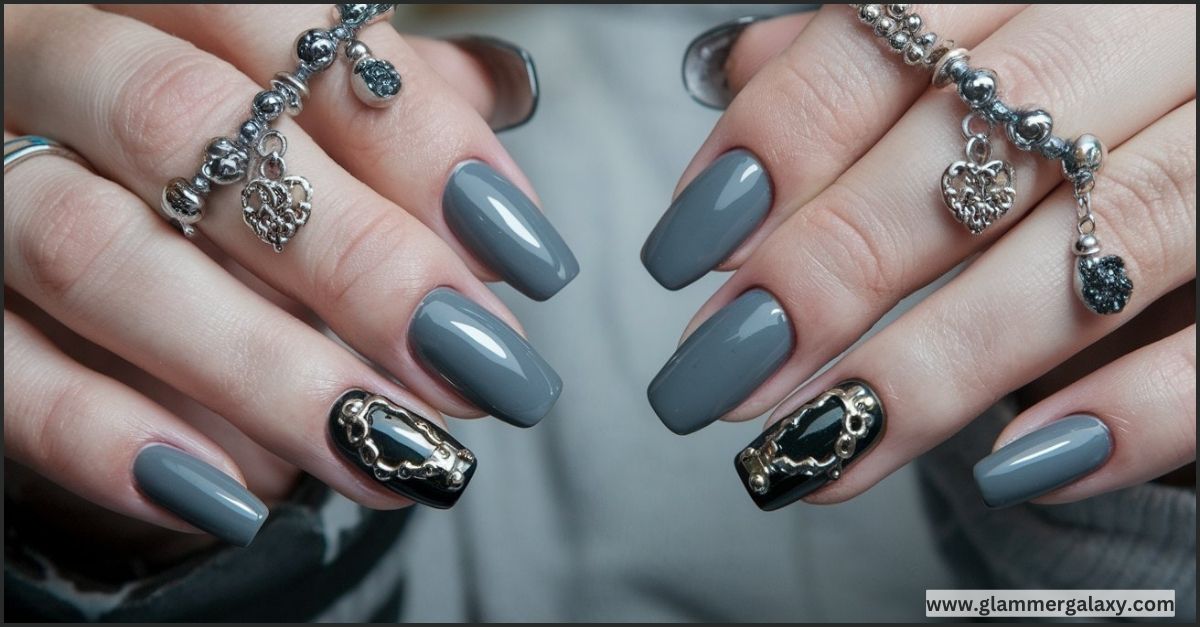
x=599, y=512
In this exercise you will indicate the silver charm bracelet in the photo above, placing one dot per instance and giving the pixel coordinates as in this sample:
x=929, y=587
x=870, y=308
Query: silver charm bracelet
x=275, y=205
x=979, y=190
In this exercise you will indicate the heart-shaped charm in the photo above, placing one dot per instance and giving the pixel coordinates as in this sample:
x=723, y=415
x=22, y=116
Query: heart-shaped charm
x=978, y=194
x=276, y=209
x=1103, y=284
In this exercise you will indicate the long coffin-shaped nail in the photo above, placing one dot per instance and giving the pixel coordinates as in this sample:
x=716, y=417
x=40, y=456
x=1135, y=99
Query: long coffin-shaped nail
x=199, y=493
x=713, y=215
x=503, y=228
x=704, y=62
x=811, y=446
x=720, y=364
x=513, y=75
x=407, y=453
x=1043, y=461
x=482, y=358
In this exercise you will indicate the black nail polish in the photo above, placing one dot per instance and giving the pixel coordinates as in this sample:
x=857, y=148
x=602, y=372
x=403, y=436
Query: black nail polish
x=812, y=446
x=514, y=77
x=406, y=453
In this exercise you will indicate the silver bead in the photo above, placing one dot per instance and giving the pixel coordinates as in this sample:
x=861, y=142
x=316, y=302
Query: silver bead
x=978, y=87
x=898, y=40
x=1030, y=128
x=1088, y=153
x=926, y=40
x=869, y=13
x=224, y=161
x=375, y=81
x=884, y=26
x=182, y=205
x=1087, y=244
x=293, y=90
x=268, y=105
x=950, y=61
x=915, y=53
x=897, y=10
x=201, y=184
x=356, y=50
x=250, y=132
x=911, y=23
x=316, y=48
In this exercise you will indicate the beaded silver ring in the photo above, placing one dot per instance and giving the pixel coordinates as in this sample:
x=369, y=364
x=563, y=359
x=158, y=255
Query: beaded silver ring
x=275, y=204
x=979, y=190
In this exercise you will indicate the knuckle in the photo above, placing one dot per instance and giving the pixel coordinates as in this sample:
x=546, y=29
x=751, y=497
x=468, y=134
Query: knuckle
x=162, y=103
x=61, y=248
x=380, y=252
x=860, y=256
x=56, y=441
x=831, y=101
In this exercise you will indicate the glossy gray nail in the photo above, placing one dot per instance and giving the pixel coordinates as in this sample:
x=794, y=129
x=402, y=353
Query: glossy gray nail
x=199, y=493
x=482, y=358
x=713, y=215
x=722, y=362
x=503, y=228
x=704, y=62
x=513, y=75
x=1043, y=461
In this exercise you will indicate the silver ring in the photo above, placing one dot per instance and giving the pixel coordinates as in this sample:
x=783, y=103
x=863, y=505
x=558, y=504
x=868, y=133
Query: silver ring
x=21, y=148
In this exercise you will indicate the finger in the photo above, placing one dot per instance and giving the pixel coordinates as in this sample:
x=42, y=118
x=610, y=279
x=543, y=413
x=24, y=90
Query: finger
x=881, y=232
x=98, y=260
x=802, y=120
x=429, y=152
x=116, y=448
x=365, y=266
x=1010, y=317
x=721, y=60
x=1125, y=424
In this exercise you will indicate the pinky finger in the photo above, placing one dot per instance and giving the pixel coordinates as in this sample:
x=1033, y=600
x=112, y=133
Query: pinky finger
x=1125, y=424
x=114, y=447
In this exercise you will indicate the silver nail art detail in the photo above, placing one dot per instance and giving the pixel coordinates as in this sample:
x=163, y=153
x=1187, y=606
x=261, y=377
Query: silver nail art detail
x=769, y=461
x=978, y=190
x=275, y=205
x=446, y=464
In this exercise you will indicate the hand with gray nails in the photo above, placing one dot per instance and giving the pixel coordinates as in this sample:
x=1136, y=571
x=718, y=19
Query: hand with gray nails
x=187, y=385
x=814, y=187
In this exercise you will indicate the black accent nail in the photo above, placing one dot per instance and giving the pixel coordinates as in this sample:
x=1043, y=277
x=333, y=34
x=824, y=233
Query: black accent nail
x=704, y=62
x=405, y=452
x=514, y=77
x=812, y=446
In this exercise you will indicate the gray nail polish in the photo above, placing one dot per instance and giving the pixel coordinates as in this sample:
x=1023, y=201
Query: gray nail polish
x=722, y=362
x=199, y=493
x=502, y=227
x=513, y=75
x=709, y=220
x=1043, y=461
x=704, y=62
x=482, y=358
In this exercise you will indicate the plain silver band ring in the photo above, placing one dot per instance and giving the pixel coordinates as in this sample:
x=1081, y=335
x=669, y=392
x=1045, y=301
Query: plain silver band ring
x=21, y=148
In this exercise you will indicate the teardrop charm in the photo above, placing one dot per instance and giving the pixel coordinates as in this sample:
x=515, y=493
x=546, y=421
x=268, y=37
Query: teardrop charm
x=1102, y=283
x=375, y=81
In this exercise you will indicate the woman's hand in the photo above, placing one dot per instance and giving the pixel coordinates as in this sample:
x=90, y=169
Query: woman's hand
x=819, y=186
x=414, y=207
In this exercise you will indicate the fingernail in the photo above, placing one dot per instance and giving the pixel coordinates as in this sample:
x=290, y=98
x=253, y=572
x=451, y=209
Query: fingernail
x=514, y=78
x=811, y=446
x=482, y=358
x=199, y=493
x=713, y=215
x=720, y=364
x=704, y=62
x=407, y=453
x=502, y=227
x=1043, y=461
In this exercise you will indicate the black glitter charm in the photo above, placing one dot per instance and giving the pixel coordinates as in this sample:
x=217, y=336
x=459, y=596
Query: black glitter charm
x=1103, y=284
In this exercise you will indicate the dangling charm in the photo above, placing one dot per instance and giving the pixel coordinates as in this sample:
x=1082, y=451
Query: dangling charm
x=1101, y=282
x=979, y=190
x=275, y=205
x=375, y=81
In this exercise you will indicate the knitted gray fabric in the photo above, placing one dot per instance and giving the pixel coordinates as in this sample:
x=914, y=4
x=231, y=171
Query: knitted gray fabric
x=1139, y=538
